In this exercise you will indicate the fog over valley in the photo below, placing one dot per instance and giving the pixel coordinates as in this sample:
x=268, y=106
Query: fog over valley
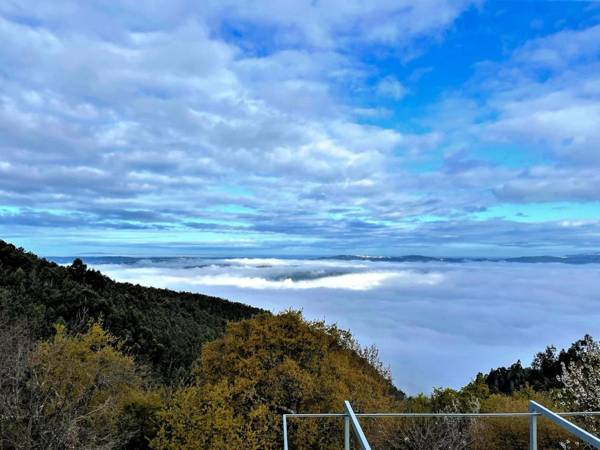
x=435, y=323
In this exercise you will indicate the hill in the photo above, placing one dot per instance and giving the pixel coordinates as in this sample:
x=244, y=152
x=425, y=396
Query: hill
x=160, y=327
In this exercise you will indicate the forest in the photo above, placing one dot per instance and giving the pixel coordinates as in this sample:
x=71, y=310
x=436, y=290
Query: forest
x=87, y=362
x=162, y=328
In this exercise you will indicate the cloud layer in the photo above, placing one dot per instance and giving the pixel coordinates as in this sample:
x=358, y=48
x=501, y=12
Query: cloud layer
x=435, y=324
x=295, y=128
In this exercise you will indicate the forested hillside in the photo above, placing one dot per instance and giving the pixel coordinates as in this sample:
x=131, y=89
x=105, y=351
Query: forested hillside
x=75, y=347
x=160, y=327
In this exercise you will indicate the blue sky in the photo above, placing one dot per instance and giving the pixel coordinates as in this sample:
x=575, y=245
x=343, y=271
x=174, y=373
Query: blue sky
x=300, y=127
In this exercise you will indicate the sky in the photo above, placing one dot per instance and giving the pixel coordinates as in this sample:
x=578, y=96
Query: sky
x=300, y=127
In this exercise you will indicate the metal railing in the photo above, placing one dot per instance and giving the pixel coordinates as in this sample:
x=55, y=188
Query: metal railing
x=351, y=422
x=536, y=409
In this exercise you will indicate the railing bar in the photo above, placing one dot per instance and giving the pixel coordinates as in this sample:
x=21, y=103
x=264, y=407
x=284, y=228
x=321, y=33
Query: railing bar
x=316, y=415
x=515, y=414
x=499, y=414
x=346, y=433
x=510, y=414
x=524, y=414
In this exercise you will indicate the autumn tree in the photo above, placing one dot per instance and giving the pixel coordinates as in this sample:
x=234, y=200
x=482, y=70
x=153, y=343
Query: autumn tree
x=72, y=391
x=270, y=365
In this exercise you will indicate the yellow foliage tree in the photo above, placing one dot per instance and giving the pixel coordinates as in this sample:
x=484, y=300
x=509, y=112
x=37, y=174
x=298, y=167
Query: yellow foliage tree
x=270, y=365
x=90, y=392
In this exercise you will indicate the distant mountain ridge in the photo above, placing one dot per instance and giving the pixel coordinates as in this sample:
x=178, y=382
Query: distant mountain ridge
x=592, y=258
x=583, y=258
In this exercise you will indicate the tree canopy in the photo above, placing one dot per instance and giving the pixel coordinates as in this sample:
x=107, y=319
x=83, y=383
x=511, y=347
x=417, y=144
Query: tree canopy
x=72, y=391
x=160, y=327
x=270, y=365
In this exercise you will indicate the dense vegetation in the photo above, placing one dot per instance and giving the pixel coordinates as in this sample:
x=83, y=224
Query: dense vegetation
x=267, y=366
x=86, y=362
x=543, y=373
x=72, y=392
x=160, y=327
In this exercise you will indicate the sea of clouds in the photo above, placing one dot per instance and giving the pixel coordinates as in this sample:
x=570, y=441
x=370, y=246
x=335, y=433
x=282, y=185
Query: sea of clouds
x=435, y=324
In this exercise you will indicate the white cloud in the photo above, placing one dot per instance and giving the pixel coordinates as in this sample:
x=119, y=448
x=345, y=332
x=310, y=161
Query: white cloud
x=334, y=23
x=271, y=273
x=392, y=88
x=360, y=282
x=561, y=50
x=546, y=184
x=168, y=108
x=548, y=94
x=540, y=107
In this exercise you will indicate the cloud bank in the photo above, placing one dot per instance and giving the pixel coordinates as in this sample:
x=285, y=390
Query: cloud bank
x=436, y=324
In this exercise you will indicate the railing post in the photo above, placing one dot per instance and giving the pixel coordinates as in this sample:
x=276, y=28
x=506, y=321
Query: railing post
x=347, y=432
x=358, y=432
x=532, y=429
x=285, y=437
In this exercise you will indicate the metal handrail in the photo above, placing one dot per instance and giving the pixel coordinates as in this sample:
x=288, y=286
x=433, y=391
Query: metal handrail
x=535, y=410
x=535, y=407
x=498, y=414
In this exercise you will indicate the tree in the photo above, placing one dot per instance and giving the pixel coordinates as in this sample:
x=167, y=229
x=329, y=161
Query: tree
x=543, y=375
x=72, y=391
x=78, y=270
x=270, y=365
x=581, y=385
x=15, y=354
x=444, y=433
